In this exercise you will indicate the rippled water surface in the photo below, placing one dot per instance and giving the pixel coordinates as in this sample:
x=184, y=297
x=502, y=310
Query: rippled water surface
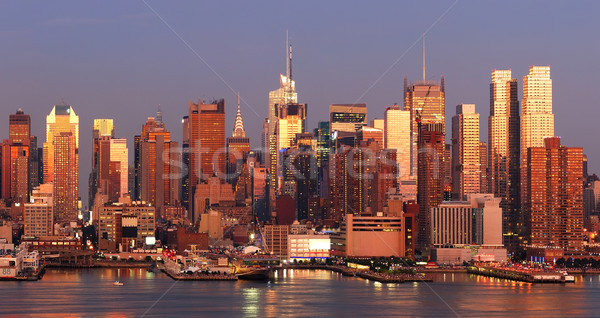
x=296, y=293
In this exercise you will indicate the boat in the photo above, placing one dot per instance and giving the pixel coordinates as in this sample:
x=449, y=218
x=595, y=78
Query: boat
x=258, y=273
x=117, y=283
x=566, y=278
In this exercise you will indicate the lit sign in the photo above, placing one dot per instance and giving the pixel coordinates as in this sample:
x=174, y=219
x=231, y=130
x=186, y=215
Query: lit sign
x=319, y=244
x=150, y=240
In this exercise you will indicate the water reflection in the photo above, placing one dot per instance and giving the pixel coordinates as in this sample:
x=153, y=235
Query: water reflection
x=295, y=293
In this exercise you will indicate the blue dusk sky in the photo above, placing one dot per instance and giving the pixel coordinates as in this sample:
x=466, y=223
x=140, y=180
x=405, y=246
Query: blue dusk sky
x=120, y=59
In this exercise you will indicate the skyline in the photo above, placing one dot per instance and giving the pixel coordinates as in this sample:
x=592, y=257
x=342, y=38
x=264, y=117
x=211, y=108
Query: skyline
x=131, y=79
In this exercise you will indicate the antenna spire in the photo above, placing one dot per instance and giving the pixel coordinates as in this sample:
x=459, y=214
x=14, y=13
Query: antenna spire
x=159, y=115
x=287, y=55
x=423, y=57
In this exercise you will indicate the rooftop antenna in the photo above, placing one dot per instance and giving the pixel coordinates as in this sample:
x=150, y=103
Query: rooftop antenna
x=159, y=115
x=287, y=55
x=423, y=57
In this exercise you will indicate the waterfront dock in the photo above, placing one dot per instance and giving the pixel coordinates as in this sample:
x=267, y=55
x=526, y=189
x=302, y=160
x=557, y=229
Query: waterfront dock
x=528, y=276
x=366, y=274
x=200, y=276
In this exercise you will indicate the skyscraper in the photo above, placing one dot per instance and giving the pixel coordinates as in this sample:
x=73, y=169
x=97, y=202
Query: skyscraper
x=238, y=146
x=61, y=160
x=466, y=169
x=284, y=95
x=553, y=200
x=159, y=171
x=23, y=162
x=397, y=136
x=431, y=174
x=504, y=151
x=205, y=136
x=426, y=100
x=537, y=119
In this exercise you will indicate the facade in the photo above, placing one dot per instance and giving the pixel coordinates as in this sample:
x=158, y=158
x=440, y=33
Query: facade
x=397, y=128
x=347, y=117
x=126, y=225
x=66, y=177
x=38, y=215
x=276, y=239
x=308, y=246
x=504, y=152
x=426, y=100
x=14, y=170
x=369, y=236
x=554, y=196
x=466, y=167
x=473, y=222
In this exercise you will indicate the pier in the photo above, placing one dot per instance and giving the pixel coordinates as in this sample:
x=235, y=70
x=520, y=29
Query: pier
x=528, y=276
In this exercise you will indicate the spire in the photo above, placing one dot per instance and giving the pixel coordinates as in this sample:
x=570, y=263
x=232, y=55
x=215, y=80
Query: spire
x=238, y=127
x=287, y=55
x=159, y=116
x=423, y=57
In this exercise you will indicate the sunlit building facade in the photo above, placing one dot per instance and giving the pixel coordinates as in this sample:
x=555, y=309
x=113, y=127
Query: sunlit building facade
x=553, y=200
x=537, y=119
x=61, y=160
x=397, y=136
x=204, y=135
x=504, y=151
x=466, y=169
x=158, y=172
x=425, y=100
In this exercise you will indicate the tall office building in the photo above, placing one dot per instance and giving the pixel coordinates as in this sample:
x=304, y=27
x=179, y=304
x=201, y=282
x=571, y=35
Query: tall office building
x=204, y=138
x=425, y=100
x=431, y=175
x=466, y=168
x=61, y=160
x=14, y=172
x=20, y=156
x=159, y=171
x=238, y=146
x=504, y=151
x=537, y=119
x=397, y=136
x=553, y=196
x=284, y=95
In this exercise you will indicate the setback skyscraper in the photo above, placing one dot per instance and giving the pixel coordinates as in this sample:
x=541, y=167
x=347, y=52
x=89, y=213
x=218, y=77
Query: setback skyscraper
x=537, y=119
x=61, y=160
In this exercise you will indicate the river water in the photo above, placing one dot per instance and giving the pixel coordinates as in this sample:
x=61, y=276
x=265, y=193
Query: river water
x=294, y=293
